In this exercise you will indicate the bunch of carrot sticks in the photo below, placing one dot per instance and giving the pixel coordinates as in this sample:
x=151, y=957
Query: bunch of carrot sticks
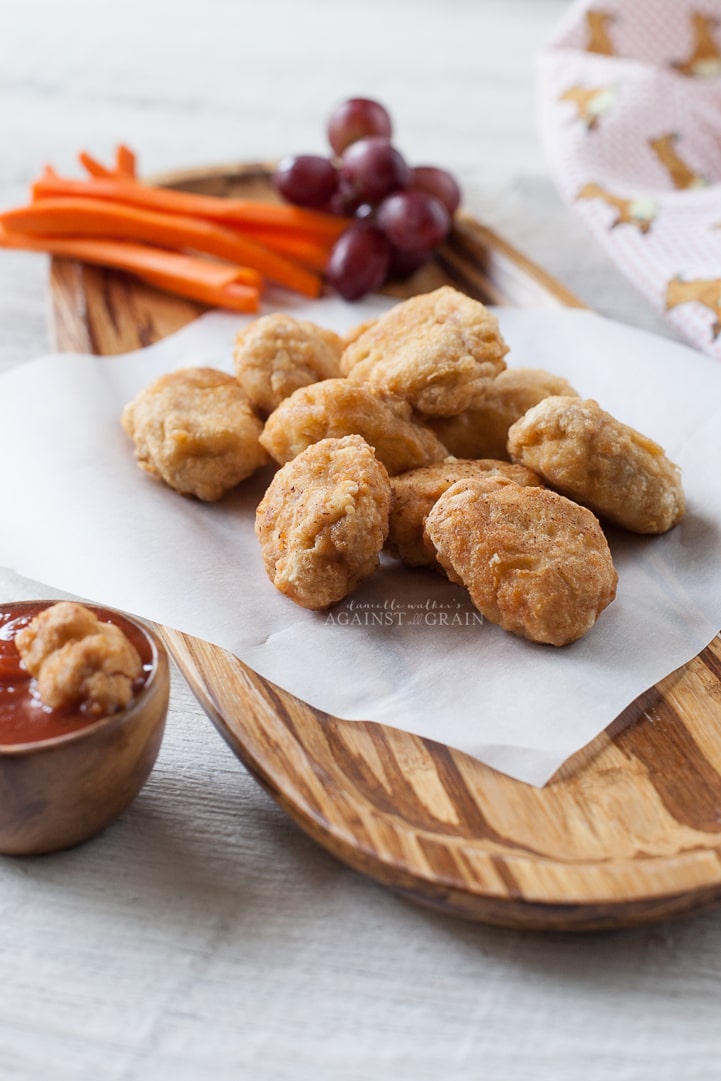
x=214, y=250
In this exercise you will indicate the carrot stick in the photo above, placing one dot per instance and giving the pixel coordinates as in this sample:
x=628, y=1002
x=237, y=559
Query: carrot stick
x=306, y=250
x=190, y=204
x=88, y=217
x=238, y=297
x=125, y=162
x=123, y=256
x=93, y=166
x=181, y=274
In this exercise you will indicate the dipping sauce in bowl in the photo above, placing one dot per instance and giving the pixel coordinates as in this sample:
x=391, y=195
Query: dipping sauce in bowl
x=67, y=771
x=24, y=717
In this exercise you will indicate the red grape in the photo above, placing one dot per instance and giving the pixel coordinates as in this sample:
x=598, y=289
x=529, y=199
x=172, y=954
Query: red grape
x=372, y=168
x=438, y=182
x=413, y=220
x=359, y=261
x=365, y=210
x=400, y=215
x=354, y=119
x=306, y=180
x=345, y=201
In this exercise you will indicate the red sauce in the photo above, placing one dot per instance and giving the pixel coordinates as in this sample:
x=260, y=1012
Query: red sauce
x=24, y=718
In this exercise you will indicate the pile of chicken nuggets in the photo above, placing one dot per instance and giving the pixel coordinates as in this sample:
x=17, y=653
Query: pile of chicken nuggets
x=410, y=434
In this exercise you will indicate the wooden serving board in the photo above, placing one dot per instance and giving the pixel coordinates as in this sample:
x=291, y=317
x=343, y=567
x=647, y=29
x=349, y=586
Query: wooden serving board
x=627, y=832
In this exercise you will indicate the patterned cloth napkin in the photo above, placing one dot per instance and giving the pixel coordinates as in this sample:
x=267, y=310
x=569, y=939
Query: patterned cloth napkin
x=630, y=97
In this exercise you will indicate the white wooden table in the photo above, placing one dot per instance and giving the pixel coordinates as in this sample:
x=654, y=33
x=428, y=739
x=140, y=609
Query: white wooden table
x=203, y=936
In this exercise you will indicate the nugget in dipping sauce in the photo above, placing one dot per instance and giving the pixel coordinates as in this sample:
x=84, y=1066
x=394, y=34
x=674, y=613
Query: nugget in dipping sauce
x=585, y=453
x=323, y=521
x=196, y=430
x=415, y=492
x=440, y=351
x=276, y=354
x=337, y=407
x=533, y=562
x=78, y=660
x=482, y=432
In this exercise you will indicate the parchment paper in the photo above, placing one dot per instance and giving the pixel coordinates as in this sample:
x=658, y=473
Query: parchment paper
x=407, y=648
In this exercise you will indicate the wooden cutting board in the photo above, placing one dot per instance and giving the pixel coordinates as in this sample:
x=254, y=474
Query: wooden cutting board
x=627, y=832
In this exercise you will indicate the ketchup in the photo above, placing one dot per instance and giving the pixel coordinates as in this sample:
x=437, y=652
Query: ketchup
x=24, y=717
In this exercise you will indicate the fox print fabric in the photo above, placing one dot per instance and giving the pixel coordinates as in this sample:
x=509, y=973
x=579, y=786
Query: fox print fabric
x=630, y=98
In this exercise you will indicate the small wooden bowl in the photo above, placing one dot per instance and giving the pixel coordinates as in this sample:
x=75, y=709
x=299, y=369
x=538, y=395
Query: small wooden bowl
x=58, y=792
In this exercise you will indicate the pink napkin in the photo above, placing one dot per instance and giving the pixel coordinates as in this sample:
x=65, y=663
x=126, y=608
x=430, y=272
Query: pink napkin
x=630, y=96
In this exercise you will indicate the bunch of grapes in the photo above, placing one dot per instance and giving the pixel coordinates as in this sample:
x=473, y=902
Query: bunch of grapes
x=400, y=214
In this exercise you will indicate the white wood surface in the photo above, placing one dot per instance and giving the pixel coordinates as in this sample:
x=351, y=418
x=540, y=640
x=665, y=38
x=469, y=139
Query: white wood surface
x=202, y=936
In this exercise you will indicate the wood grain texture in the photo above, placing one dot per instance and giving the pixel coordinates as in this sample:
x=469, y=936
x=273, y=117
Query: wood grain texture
x=60, y=792
x=627, y=832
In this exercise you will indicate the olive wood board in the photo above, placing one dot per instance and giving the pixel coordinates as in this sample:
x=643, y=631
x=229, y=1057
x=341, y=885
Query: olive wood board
x=627, y=832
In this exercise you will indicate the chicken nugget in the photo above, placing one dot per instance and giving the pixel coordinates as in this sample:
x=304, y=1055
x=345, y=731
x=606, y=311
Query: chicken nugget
x=415, y=492
x=336, y=408
x=439, y=351
x=323, y=521
x=78, y=660
x=533, y=562
x=196, y=430
x=276, y=354
x=588, y=455
x=482, y=432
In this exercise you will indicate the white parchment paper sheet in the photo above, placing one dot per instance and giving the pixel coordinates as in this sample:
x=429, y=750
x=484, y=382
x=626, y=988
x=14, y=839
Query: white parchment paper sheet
x=407, y=648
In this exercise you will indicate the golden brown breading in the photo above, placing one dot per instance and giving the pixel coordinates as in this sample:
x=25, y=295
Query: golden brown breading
x=439, y=351
x=482, y=432
x=79, y=660
x=337, y=407
x=415, y=492
x=355, y=332
x=585, y=453
x=533, y=562
x=196, y=430
x=276, y=354
x=323, y=521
